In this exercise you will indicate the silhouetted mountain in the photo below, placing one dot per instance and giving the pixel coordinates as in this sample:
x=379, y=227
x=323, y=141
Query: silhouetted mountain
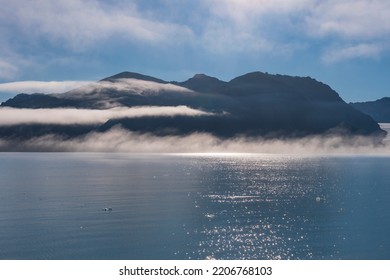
x=282, y=86
x=203, y=83
x=132, y=75
x=379, y=110
x=36, y=100
x=254, y=104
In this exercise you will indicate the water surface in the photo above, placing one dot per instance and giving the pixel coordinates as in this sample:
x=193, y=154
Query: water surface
x=52, y=206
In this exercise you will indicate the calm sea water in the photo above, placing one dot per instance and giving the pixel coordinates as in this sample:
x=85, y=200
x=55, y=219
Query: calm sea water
x=52, y=206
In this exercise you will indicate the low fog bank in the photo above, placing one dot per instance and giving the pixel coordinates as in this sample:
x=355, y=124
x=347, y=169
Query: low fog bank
x=131, y=86
x=15, y=116
x=120, y=140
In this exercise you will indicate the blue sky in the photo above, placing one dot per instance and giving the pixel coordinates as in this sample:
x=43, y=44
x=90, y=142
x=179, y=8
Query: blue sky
x=52, y=46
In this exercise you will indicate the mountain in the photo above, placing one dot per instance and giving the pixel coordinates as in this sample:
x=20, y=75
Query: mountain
x=132, y=75
x=379, y=110
x=35, y=101
x=254, y=104
x=202, y=83
x=123, y=89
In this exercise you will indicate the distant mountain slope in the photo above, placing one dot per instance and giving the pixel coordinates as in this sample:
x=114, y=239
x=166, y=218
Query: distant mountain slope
x=36, y=100
x=379, y=110
x=254, y=104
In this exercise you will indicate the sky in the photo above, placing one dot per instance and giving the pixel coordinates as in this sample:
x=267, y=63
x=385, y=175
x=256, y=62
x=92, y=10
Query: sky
x=54, y=46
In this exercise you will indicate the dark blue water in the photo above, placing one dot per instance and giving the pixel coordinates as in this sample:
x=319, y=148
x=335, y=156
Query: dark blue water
x=193, y=207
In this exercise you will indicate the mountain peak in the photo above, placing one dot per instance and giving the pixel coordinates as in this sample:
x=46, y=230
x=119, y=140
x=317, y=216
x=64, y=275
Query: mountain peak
x=253, y=77
x=202, y=76
x=133, y=75
x=202, y=83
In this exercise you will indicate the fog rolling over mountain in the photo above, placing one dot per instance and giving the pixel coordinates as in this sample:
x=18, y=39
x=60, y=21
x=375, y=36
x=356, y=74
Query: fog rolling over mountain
x=252, y=105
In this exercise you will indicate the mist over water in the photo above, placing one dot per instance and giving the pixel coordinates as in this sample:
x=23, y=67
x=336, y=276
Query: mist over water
x=121, y=140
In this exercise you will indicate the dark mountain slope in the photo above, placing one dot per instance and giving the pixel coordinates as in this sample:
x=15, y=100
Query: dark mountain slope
x=379, y=110
x=38, y=100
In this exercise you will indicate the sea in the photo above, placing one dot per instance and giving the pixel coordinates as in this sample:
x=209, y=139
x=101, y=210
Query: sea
x=77, y=206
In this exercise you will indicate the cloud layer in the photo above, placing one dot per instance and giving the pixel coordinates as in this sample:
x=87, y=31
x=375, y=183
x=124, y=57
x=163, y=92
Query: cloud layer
x=132, y=86
x=79, y=24
x=14, y=116
x=118, y=139
x=41, y=86
x=216, y=25
x=357, y=28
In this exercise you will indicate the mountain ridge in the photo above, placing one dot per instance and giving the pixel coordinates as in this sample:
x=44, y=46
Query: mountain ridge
x=203, y=83
x=254, y=104
x=133, y=75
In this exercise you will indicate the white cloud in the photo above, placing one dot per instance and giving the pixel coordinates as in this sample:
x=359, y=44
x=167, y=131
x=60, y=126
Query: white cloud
x=244, y=12
x=80, y=24
x=354, y=28
x=15, y=116
x=41, y=86
x=221, y=26
x=7, y=70
x=350, y=19
x=350, y=52
x=240, y=25
x=360, y=28
x=132, y=86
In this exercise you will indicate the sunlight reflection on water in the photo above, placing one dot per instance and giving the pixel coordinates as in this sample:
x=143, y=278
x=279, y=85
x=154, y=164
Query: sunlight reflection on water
x=230, y=206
